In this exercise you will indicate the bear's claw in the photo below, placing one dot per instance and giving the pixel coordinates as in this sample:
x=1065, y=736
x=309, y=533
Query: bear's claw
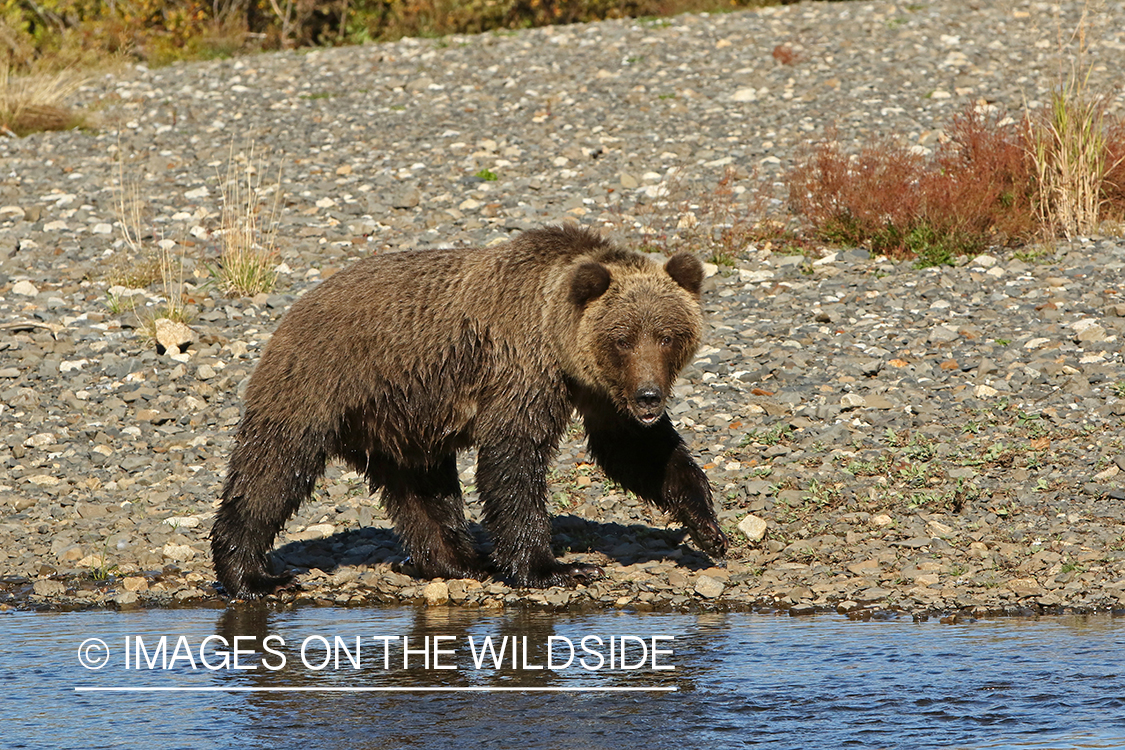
x=709, y=537
x=258, y=585
x=568, y=575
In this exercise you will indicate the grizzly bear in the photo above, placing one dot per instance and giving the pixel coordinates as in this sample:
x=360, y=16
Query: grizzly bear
x=403, y=359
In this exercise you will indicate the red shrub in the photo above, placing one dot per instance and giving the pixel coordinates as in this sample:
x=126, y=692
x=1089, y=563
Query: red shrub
x=975, y=190
x=1114, y=185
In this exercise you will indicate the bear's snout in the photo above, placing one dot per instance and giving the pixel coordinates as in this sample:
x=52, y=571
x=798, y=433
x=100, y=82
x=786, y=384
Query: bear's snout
x=649, y=400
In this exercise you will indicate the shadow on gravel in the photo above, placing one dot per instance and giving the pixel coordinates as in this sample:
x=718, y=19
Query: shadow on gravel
x=626, y=545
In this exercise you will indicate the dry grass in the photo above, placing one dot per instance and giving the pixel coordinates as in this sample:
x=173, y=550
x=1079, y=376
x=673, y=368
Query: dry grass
x=1068, y=145
x=249, y=253
x=149, y=261
x=1078, y=149
x=35, y=103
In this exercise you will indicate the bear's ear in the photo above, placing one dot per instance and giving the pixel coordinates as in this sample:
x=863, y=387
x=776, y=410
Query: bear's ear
x=686, y=270
x=588, y=281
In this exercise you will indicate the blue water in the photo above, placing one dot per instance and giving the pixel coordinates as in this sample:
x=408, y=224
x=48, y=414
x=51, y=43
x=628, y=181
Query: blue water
x=741, y=680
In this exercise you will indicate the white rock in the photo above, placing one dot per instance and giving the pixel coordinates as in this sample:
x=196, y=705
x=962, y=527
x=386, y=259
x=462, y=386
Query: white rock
x=24, y=288
x=944, y=334
x=1109, y=473
x=182, y=522
x=321, y=530
x=102, y=228
x=753, y=527
x=745, y=95
x=178, y=552
x=173, y=334
x=708, y=587
x=853, y=401
x=200, y=192
x=755, y=276
x=125, y=598
x=984, y=391
x=44, y=480
x=436, y=592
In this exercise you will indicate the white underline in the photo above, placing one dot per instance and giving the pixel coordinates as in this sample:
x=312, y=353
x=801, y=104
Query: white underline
x=590, y=689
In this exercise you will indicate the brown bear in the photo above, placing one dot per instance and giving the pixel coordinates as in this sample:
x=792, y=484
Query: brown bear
x=400, y=361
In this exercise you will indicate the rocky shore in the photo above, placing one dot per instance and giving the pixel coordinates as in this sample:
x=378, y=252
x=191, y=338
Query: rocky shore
x=945, y=441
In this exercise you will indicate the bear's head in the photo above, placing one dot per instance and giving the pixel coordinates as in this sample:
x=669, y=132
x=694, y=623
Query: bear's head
x=638, y=325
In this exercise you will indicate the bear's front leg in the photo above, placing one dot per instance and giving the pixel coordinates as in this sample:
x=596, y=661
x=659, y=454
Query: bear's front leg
x=653, y=462
x=512, y=476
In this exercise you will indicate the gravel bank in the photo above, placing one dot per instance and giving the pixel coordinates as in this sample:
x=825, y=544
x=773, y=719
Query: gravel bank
x=937, y=441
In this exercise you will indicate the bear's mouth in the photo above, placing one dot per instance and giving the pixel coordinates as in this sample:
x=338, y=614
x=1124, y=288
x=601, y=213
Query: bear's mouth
x=646, y=415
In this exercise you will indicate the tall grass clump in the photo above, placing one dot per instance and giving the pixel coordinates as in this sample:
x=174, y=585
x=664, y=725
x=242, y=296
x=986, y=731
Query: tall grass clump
x=1078, y=150
x=150, y=261
x=249, y=252
x=36, y=103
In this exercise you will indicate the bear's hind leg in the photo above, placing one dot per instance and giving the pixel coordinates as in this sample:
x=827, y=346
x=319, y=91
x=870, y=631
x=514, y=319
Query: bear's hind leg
x=271, y=472
x=429, y=514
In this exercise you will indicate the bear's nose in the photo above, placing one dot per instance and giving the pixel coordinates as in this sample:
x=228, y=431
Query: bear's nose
x=649, y=397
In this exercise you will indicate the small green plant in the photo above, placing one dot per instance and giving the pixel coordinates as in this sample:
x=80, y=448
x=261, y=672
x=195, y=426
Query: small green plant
x=1003, y=342
x=487, y=175
x=119, y=303
x=103, y=570
x=776, y=434
x=1119, y=389
x=720, y=258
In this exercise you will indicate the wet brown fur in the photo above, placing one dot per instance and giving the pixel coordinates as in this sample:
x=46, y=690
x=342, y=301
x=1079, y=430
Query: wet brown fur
x=400, y=361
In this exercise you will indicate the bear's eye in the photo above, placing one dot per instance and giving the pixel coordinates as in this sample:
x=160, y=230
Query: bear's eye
x=666, y=341
x=623, y=344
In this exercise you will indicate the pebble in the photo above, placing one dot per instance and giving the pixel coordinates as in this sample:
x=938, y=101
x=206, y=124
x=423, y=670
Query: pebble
x=753, y=527
x=708, y=587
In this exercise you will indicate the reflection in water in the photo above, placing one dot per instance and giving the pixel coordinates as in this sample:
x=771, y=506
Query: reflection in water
x=743, y=680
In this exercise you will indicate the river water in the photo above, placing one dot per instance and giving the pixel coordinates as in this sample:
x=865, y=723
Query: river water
x=335, y=678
